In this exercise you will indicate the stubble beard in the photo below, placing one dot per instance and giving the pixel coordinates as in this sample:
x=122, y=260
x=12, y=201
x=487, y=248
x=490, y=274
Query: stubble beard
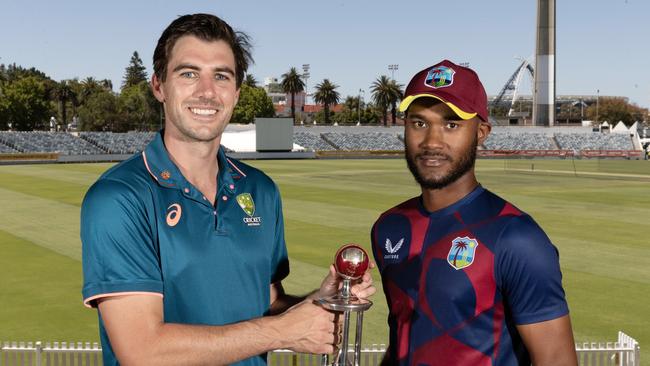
x=458, y=167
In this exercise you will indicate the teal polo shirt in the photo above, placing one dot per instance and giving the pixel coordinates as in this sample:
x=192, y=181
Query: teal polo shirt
x=146, y=230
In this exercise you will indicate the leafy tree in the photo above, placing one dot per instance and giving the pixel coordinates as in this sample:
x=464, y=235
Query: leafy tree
x=135, y=73
x=14, y=73
x=613, y=110
x=25, y=104
x=326, y=95
x=386, y=92
x=99, y=112
x=292, y=84
x=253, y=102
x=351, y=110
x=250, y=81
x=139, y=109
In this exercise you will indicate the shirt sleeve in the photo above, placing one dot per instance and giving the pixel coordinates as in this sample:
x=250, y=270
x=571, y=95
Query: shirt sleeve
x=529, y=273
x=280, y=258
x=119, y=254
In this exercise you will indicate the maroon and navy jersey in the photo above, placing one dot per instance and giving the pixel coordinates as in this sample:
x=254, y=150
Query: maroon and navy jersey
x=459, y=280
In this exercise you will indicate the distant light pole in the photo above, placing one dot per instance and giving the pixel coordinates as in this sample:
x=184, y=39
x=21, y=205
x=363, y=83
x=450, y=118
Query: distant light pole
x=305, y=75
x=597, y=100
x=393, y=68
x=359, y=107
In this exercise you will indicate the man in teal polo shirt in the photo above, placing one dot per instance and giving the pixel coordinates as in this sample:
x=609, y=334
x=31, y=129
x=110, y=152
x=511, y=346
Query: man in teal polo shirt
x=183, y=248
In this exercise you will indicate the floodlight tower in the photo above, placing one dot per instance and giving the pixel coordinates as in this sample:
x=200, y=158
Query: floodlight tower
x=305, y=75
x=544, y=92
x=393, y=68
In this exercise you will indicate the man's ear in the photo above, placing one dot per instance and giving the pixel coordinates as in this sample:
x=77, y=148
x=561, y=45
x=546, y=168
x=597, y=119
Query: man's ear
x=483, y=131
x=156, y=87
x=237, y=96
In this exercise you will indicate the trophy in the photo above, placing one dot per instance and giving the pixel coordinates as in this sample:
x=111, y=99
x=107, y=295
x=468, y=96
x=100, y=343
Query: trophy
x=351, y=262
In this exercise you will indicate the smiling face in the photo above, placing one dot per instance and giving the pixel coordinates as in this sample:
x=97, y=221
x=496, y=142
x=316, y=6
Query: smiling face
x=441, y=147
x=199, y=92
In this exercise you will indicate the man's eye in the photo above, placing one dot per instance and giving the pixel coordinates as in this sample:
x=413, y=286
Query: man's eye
x=222, y=77
x=452, y=125
x=419, y=124
x=188, y=74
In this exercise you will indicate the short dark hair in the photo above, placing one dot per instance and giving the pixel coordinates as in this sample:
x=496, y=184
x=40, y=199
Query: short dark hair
x=206, y=27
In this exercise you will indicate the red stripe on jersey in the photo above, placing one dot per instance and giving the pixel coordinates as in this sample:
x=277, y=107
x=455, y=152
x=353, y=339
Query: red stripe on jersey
x=481, y=275
x=509, y=210
x=419, y=226
x=498, y=324
x=445, y=350
x=401, y=308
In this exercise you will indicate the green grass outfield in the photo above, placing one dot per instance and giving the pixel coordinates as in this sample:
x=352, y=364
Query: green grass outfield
x=596, y=212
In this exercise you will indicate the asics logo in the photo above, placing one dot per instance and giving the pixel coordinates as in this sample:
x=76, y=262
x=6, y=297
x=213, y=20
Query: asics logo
x=174, y=214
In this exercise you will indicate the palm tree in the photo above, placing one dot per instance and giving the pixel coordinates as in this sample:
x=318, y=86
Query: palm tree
x=292, y=84
x=460, y=246
x=63, y=93
x=89, y=86
x=326, y=95
x=396, y=94
x=382, y=95
x=250, y=81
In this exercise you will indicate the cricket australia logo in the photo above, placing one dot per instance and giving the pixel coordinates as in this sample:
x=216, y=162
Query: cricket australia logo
x=245, y=201
x=392, y=249
x=462, y=252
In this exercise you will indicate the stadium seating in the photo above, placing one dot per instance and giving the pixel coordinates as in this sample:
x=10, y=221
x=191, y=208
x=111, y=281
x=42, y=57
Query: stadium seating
x=594, y=141
x=48, y=142
x=519, y=141
x=554, y=141
x=119, y=143
x=311, y=141
x=368, y=141
x=4, y=149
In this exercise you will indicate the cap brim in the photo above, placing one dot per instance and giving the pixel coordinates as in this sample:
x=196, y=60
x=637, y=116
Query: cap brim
x=406, y=102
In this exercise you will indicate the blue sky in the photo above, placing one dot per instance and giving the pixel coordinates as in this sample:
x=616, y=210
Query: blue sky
x=601, y=44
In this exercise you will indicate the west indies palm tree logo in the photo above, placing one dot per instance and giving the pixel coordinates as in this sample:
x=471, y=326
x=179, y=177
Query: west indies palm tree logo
x=462, y=252
x=440, y=77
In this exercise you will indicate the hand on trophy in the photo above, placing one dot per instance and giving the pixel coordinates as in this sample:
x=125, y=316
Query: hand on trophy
x=308, y=328
x=345, y=290
x=363, y=288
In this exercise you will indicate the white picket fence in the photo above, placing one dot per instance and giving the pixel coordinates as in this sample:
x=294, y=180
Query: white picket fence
x=624, y=352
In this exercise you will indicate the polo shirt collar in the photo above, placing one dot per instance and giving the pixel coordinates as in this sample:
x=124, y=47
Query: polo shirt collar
x=166, y=173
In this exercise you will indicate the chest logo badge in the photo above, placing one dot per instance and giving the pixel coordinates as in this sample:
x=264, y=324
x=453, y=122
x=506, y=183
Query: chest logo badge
x=462, y=252
x=174, y=214
x=245, y=201
x=392, y=249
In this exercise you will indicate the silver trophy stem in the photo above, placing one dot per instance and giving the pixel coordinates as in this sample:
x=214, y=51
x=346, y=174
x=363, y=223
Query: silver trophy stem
x=357, y=339
x=346, y=339
x=345, y=290
x=351, y=261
